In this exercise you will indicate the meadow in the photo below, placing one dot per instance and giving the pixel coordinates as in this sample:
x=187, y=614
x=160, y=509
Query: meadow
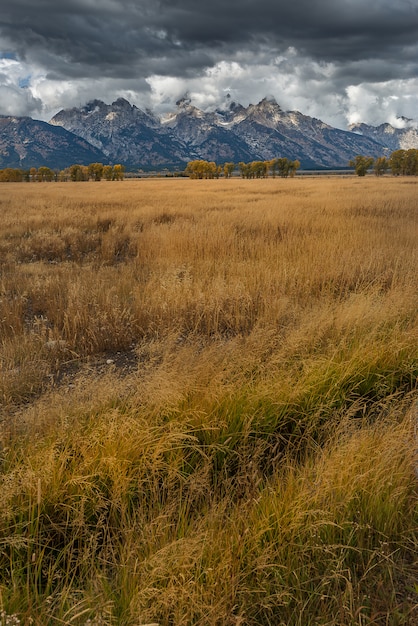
x=209, y=402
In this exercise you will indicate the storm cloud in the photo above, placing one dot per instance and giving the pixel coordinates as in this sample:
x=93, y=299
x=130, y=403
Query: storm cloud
x=334, y=59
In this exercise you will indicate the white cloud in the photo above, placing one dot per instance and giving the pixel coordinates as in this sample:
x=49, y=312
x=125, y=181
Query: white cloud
x=339, y=60
x=16, y=94
x=388, y=101
x=297, y=82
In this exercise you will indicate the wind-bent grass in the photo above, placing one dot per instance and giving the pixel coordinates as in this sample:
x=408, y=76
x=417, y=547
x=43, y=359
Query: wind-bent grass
x=208, y=403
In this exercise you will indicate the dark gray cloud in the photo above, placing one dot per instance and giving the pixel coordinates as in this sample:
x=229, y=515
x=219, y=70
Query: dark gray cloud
x=324, y=29
x=338, y=43
x=85, y=36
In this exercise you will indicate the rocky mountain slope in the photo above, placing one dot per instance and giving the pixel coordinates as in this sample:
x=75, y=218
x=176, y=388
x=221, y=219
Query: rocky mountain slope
x=122, y=133
x=394, y=138
x=231, y=133
x=26, y=143
x=270, y=131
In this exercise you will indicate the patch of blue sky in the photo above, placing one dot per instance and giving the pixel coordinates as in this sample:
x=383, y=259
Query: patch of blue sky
x=24, y=82
x=5, y=54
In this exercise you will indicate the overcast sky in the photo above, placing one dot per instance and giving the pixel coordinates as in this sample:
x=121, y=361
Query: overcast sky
x=342, y=61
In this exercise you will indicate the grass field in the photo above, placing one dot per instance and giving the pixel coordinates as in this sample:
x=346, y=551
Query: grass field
x=209, y=402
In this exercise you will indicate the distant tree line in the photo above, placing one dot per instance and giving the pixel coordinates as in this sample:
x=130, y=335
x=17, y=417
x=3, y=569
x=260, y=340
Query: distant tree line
x=400, y=163
x=94, y=171
x=255, y=169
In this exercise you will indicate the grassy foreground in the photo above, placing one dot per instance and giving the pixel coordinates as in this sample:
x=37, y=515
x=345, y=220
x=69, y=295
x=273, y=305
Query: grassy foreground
x=209, y=403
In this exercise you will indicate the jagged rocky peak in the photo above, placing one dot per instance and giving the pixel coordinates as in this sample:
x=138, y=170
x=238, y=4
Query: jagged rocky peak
x=229, y=108
x=92, y=106
x=97, y=106
x=362, y=128
x=269, y=102
x=91, y=109
x=267, y=112
x=124, y=110
x=228, y=104
x=407, y=121
x=235, y=106
x=269, y=106
x=184, y=102
x=96, y=111
x=122, y=103
x=185, y=110
x=125, y=107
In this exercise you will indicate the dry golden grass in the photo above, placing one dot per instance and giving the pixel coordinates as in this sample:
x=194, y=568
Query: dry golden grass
x=207, y=394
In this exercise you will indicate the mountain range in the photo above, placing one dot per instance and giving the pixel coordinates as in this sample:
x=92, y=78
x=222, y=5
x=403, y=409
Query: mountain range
x=122, y=133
